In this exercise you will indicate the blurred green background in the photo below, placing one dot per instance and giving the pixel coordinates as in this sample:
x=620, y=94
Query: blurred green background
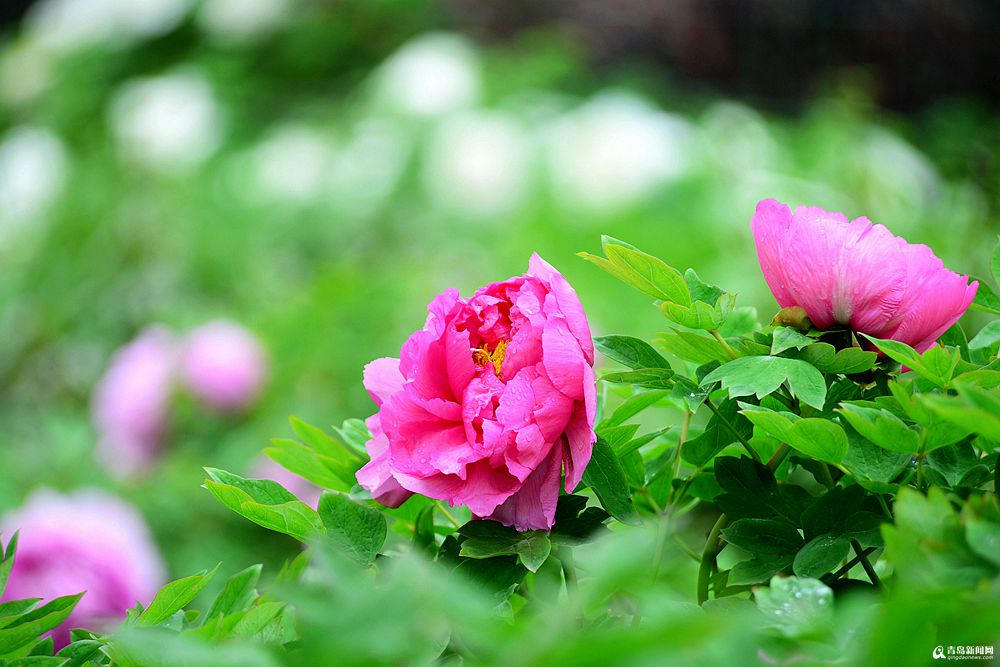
x=317, y=171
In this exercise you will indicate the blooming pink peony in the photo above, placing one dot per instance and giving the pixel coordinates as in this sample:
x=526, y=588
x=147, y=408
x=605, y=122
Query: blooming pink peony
x=857, y=274
x=223, y=365
x=86, y=541
x=132, y=401
x=488, y=403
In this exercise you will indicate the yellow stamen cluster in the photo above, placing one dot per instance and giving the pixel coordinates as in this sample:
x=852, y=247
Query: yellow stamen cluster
x=482, y=355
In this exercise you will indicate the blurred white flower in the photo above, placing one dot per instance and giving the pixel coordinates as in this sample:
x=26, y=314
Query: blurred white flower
x=615, y=149
x=737, y=138
x=368, y=165
x=65, y=25
x=242, y=19
x=478, y=163
x=32, y=171
x=170, y=122
x=293, y=163
x=431, y=75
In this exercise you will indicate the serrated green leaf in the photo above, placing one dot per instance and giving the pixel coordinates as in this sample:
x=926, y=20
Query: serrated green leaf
x=786, y=338
x=761, y=376
x=820, y=439
x=881, y=427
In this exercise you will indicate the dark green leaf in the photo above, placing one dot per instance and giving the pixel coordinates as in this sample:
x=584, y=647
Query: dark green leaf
x=821, y=555
x=604, y=474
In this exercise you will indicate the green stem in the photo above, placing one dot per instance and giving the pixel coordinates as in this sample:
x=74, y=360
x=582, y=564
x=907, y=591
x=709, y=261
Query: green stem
x=722, y=341
x=826, y=477
x=447, y=514
x=885, y=507
x=866, y=564
x=779, y=457
x=708, y=556
x=739, y=436
x=850, y=564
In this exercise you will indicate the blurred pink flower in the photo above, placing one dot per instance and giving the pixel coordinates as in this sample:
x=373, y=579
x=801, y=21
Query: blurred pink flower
x=857, y=274
x=488, y=402
x=302, y=488
x=85, y=541
x=224, y=365
x=132, y=400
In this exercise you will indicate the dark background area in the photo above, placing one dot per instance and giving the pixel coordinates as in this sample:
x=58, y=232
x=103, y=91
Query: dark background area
x=909, y=53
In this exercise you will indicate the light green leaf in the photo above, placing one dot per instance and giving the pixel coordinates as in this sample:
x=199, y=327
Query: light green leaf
x=319, y=469
x=828, y=359
x=633, y=406
x=292, y=517
x=821, y=439
x=7, y=561
x=25, y=629
x=238, y=593
x=694, y=347
x=651, y=378
x=795, y=606
x=786, y=338
x=763, y=375
x=173, y=597
x=644, y=272
x=881, y=427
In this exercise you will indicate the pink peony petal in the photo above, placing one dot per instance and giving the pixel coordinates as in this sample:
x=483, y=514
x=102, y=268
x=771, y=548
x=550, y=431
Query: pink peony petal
x=533, y=507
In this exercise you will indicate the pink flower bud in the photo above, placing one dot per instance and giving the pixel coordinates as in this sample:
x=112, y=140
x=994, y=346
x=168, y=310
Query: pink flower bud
x=132, y=400
x=224, y=366
x=85, y=541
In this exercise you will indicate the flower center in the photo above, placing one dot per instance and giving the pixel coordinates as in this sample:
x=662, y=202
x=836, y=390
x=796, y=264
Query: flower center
x=482, y=355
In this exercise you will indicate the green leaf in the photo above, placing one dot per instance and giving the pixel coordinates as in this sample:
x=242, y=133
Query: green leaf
x=264, y=491
x=764, y=537
x=820, y=439
x=27, y=628
x=357, y=529
x=827, y=359
x=821, y=555
x=173, y=597
x=718, y=434
x=796, y=606
x=984, y=539
x=324, y=444
x=987, y=338
x=308, y=463
x=605, y=475
x=757, y=570
x=881, y=427
x=239, y=592
x=761, y=376
x=257, y=619
x=700, y=315
x=632, y=352
x=871, y=466
x=786, y=338
x=694, y=347
x=974, y=409
x=633, y=406
x=751, y=491
x=83, y=652
x=995, y=263
x=7, y=561
x=292, y=517
x=936, y=364
x=651, y=378
x=986, y=299
x=488, y=539
x=648, y=274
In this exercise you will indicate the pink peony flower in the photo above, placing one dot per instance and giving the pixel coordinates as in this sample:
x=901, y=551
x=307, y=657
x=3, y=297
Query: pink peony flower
x=224, y=365
x=85, y=541
x=301, y=488
x=132, y=401
x=857, y=274
x=488, y=403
